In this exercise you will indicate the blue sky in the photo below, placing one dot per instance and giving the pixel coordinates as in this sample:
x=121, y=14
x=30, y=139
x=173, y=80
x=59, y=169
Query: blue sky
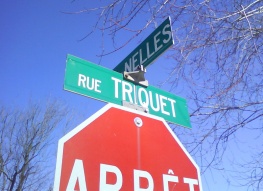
x=35, y=40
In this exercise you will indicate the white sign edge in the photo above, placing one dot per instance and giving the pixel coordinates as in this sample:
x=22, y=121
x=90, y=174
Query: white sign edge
x=81, y=126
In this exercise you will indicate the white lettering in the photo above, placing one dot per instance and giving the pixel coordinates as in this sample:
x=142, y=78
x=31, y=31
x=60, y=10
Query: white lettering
x=143, y=180
x=172, y=105
x=168, y=178
x=142, y=96
x=191, y=183
x=104, y=168
x=128, y=66
x=170, y=171
x=141, y=60
x=134, y=60
x=135, y=94
x=116, y=86
x=77, y=174
x=131, y=62
x=146, y=103
x=89, y=83
x=144, y=174
x=163, y=104
x=148, y=50
x=82, y=80
x=166, y=33
x=157, y=108
x=127, y=90
x=156, y=47
x=97, y=85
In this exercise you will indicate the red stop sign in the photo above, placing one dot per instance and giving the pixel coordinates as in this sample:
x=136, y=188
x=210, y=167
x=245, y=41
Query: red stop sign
x=122, y=149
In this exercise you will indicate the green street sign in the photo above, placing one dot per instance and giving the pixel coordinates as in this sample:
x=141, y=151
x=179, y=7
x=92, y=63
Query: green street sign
x=151, y=48
x=100, y=83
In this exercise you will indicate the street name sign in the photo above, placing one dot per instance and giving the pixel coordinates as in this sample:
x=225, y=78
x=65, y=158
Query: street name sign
x=120, y=149
x=100, y=83
x=151, y=48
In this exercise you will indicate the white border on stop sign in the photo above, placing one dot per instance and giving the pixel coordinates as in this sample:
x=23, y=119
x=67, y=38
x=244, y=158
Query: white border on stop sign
x=84, y=124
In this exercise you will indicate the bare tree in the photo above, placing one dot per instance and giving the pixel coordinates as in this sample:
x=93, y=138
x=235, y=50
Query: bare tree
x=217, y=66
x=25, y=135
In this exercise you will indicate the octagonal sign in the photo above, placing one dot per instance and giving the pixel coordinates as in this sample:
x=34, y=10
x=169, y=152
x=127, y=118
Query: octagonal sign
x=119, y=149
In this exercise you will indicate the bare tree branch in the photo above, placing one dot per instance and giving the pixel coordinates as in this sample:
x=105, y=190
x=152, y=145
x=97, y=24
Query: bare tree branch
x=217, y=66
x=24, y=135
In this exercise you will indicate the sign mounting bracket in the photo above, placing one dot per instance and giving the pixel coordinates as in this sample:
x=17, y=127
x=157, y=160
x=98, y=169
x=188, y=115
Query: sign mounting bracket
x=137, y=76
x=135, y=106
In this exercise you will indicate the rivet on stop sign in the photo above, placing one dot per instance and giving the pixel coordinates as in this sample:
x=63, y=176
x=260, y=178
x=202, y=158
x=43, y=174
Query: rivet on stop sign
x=138, y=121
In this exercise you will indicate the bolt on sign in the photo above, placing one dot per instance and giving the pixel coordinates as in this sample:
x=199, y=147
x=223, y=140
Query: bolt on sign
x=100, y=83
x=132, y=152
